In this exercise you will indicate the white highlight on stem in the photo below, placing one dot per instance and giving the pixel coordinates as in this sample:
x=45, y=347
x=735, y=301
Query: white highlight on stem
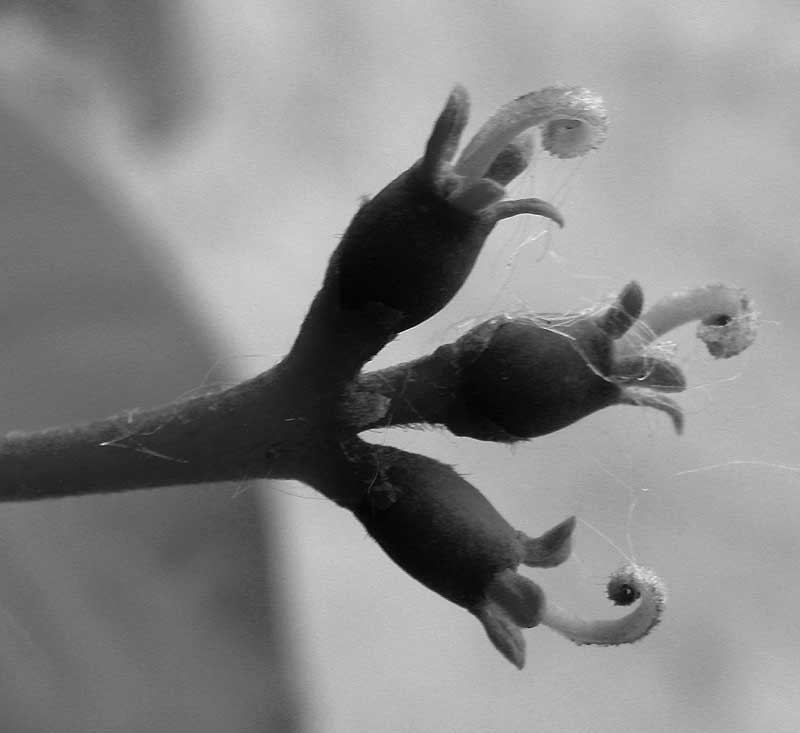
x=643, y=583
x=728, y=322
x=573, y=122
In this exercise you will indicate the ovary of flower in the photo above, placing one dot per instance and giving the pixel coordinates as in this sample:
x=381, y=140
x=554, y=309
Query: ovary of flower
x=573, y=122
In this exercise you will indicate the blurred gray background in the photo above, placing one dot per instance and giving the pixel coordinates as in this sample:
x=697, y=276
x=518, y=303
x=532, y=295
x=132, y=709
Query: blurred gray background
x=174, y=176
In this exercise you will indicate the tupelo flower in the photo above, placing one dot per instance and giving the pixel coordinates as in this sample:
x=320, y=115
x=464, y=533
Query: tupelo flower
x=442, y=531
x=411, y=247
x=517, y=377
x=522, y=377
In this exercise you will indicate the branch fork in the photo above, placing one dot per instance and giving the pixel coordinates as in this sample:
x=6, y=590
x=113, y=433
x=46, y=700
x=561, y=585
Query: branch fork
x=403, y=257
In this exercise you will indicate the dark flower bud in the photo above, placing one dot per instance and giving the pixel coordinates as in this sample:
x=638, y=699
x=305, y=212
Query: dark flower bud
x=412, y=246
x=532, y=378
x=442, y=531
x=408, y=249
x=528, y=376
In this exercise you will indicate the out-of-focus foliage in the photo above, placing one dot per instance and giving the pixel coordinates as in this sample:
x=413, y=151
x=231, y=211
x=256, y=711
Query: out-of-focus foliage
x=158, y=611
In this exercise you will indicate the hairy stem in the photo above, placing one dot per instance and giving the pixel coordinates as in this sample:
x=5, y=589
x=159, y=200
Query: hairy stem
x=267, y=427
